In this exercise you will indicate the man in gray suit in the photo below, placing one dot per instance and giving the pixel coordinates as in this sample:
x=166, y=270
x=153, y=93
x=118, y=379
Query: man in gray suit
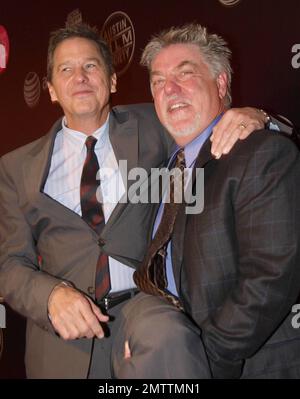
x=48, y=253
x=231, y=269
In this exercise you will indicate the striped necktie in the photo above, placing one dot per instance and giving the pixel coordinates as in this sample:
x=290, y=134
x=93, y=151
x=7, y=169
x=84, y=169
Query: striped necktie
x=150, y=277
x=92, y=212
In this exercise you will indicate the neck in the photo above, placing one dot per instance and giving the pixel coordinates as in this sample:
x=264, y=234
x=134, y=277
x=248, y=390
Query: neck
x=183, y=141
x=87, y=124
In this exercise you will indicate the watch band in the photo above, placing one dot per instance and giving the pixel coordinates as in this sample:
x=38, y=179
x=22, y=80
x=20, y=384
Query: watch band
x=267, y=117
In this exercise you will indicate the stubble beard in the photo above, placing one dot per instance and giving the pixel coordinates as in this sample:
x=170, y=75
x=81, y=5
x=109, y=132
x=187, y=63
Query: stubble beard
x=186, y=130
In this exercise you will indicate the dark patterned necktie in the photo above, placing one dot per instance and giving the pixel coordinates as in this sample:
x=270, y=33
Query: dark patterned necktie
x=92, y=211
x=150, y=277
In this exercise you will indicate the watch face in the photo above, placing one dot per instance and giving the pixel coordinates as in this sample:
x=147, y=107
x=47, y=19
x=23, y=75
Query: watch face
x=4, y=49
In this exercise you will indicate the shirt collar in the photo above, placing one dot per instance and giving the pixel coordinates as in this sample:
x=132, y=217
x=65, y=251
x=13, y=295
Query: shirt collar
x=191, y=150
x=77, y=139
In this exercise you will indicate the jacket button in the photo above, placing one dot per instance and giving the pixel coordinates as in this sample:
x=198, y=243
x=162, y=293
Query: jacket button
x=101, y=242
x=91, y=290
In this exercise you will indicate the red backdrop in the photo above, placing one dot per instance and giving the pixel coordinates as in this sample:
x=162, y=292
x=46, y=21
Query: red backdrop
x=263, y=34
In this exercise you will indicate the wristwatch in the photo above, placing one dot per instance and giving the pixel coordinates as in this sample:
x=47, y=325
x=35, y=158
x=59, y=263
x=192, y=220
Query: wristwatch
x=267, y=119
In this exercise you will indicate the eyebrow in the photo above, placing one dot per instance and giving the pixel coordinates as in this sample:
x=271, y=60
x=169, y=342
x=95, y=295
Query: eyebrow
x=98, y=61
x=155, y=73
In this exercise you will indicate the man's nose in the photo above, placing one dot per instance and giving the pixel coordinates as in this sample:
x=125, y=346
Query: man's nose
x=171, y=86
x=80, y=75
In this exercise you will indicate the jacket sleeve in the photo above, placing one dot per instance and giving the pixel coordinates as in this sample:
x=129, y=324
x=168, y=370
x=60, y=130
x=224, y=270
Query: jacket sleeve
x=22, y=284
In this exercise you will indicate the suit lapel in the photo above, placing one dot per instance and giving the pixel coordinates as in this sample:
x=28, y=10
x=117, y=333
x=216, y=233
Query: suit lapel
x=123, y=134
x=203, y=158
x=35, y=171
x=36, y=165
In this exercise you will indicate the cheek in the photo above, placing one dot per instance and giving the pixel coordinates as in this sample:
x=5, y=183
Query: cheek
x=160, y=107
x=60, y=88
x=157, y=108
x=204, y=99
x=101, y=81
x=160, y=101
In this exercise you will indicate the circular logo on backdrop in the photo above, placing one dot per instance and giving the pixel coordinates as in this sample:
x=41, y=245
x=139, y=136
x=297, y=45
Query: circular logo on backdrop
x=229, y=3
x=32, y=89
x=118, y=32
x=4, y=49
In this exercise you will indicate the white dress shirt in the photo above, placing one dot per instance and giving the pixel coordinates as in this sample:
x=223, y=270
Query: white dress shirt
x=63, y=183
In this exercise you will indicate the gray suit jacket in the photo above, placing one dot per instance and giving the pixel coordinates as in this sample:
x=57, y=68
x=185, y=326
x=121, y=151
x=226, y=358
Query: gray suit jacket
x=42, y=242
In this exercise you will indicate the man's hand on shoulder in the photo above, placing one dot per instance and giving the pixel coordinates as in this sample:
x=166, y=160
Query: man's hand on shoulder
x=236, y=124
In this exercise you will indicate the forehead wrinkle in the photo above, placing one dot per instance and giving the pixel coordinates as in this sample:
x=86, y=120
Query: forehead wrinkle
x=88, y=59
x=179, y=66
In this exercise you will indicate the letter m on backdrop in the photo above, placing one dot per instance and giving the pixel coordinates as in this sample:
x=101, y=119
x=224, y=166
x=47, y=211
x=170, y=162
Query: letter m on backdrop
x=127, y=39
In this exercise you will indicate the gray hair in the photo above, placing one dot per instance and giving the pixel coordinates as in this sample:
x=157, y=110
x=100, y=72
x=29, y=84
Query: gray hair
x=82, y=31
x=213, y=48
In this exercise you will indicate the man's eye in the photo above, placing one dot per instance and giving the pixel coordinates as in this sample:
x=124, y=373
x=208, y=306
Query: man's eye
x=158, y=83
x=90, y=66
x=66, y=69
x=183, y=75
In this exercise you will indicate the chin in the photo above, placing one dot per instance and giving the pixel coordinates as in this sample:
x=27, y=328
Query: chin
x=184, y=129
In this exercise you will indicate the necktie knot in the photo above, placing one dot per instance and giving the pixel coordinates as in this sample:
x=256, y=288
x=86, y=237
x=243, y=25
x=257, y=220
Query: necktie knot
x=90, y=143
x=180, y=159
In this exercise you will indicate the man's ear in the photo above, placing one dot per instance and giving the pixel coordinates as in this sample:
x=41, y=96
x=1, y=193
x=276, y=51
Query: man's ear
x=222, y=82
x=52, y=92
x=113, y=83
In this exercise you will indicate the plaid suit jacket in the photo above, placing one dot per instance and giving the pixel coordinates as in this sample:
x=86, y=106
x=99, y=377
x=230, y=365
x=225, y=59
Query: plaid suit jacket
x=236, y=264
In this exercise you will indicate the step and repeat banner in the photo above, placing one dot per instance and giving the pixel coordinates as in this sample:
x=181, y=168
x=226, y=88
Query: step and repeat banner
x=264, y=36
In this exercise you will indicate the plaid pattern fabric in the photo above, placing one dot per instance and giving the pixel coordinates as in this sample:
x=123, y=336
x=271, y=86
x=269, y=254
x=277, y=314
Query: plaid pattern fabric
x=92, y=212
x=151, y=276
